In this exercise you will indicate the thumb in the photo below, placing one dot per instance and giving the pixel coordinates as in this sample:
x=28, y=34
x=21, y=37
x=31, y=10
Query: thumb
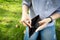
x=41, y=27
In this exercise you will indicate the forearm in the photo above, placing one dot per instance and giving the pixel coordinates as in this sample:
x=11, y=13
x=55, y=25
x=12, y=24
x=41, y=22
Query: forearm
x=25, y=16
x=55, y=16
x=24, y=9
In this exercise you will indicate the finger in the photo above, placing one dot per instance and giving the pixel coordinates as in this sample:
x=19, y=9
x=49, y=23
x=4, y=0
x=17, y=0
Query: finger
x=41, y=27
x=22, y=22
x=41, y=23
x=27, y=23
x=30, y=23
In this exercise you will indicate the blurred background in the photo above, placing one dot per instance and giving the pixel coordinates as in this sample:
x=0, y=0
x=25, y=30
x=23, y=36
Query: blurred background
x=10, y=15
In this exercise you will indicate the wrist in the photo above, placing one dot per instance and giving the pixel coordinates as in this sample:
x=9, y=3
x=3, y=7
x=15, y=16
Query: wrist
x=24, y=14
x=50, y=19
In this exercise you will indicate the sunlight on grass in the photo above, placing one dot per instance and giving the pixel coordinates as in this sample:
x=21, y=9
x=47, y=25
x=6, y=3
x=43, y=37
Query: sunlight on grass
x=10, y=14
x=11, y=7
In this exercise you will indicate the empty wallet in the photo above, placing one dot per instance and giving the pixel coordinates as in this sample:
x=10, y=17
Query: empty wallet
x=34, y=25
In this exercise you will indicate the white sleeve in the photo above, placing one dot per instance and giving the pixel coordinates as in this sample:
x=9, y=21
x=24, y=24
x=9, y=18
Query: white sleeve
x=26, y=2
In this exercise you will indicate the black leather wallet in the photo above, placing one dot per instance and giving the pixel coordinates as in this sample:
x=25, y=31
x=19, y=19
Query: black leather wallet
x=34, y=24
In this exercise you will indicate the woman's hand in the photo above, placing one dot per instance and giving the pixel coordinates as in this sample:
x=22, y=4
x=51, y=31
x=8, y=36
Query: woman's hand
x=43, y=24
x=26, y=20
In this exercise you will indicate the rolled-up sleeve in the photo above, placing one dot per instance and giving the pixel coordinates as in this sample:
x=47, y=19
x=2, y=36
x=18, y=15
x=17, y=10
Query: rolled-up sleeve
x=26, y=2
x=58, y=10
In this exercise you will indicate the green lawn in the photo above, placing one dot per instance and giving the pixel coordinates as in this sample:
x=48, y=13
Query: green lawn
x=10, y=14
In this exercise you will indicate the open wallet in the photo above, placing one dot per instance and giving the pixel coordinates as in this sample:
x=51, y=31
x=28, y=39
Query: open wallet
x=34, y=25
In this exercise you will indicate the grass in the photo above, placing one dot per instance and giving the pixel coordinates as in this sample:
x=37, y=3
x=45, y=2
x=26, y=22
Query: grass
x=10, y=15
x=58, y=29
